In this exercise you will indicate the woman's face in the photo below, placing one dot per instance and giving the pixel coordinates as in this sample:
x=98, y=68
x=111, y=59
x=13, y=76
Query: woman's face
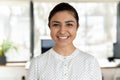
x=63, y=27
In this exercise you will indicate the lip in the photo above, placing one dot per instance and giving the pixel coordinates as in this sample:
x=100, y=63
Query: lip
x=63, y=37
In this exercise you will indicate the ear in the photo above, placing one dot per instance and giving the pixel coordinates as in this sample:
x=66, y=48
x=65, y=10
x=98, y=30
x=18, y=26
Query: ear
x=78, y=25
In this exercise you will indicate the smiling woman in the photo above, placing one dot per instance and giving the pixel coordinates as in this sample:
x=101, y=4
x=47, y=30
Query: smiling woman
x=64, y=61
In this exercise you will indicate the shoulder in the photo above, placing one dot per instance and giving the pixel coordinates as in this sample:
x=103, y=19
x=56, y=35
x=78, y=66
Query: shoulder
x=85, y=56
x=41, y=59
x=87, y=59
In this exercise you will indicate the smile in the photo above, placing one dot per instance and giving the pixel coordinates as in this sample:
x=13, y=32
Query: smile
x=63, y=37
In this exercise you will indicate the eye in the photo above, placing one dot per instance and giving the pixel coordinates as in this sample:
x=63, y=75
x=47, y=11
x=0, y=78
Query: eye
x=55, y=24
x=69, y=24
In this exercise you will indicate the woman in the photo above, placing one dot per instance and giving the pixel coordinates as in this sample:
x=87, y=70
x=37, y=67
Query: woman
x=64, y=61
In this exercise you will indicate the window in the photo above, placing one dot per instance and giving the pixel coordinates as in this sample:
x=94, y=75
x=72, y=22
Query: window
x=15, y=28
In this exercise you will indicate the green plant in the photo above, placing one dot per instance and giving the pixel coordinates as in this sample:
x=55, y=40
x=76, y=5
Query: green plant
x=5, y=46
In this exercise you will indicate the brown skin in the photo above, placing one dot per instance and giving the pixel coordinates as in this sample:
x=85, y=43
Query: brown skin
x=63, y=29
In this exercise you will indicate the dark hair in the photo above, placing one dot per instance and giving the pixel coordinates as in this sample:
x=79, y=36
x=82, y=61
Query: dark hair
x=61, y=7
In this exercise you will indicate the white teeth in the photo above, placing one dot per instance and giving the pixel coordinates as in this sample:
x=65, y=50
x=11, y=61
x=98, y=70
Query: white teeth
x=65, y=37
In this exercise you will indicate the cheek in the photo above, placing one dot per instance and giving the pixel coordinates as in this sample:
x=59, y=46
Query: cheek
x=52, y=33
x=73, y=32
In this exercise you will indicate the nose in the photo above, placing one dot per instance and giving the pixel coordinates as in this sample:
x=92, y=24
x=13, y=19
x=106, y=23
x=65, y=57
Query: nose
x=62, y=30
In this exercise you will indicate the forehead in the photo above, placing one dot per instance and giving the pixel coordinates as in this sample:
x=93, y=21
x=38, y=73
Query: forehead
x=63, y=15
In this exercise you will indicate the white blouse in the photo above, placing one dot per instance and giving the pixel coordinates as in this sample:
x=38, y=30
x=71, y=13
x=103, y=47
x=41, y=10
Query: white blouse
x=52, y=66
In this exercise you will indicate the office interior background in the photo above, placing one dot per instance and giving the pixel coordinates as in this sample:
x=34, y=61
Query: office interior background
x=24, y=24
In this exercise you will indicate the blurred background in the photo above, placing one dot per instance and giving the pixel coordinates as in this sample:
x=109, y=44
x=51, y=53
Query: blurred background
x=24, y=34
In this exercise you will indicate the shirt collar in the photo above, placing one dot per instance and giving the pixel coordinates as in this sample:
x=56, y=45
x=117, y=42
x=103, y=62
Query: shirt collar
x=58, y=56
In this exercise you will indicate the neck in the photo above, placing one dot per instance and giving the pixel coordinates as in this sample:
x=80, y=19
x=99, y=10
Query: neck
x=64, y=51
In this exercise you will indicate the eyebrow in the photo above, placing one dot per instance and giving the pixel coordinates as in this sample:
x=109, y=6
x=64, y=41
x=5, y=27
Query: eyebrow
x=55, y=22
x=70, y=21
x=65, y=21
